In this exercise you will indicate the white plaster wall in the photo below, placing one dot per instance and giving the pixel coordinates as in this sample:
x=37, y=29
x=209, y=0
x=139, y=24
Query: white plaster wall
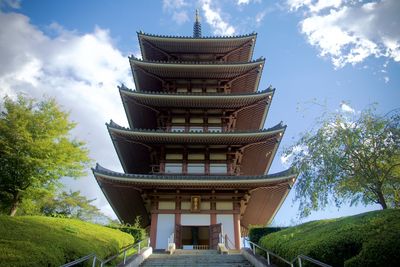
x=205, y=205
x=165, y=227
x=227, y=226
x=166, y=205
x=185, y=205
x=195, y=219
x=224, y=206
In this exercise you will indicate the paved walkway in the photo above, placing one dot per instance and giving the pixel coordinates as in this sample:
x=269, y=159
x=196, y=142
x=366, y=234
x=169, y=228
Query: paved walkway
x=196, y=258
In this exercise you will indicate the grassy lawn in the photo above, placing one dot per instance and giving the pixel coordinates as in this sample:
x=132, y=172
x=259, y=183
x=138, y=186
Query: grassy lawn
x=368, y=239
x=46, y=241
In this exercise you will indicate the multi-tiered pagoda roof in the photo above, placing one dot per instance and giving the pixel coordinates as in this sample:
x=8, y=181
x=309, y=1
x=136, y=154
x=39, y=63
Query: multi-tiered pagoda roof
x=196, y=95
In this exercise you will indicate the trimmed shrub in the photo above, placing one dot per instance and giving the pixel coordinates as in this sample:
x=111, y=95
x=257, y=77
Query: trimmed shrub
x=137, y=233
x=256, y=233
x=47, y=241
x=368, y=239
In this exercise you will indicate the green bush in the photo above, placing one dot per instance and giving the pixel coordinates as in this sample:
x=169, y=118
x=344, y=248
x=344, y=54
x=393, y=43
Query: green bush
x=256, y=233
x=368, y=239
x=137, y=233
x=47, y=241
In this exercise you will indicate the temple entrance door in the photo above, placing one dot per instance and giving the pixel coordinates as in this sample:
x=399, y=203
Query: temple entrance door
x=178, y=236
x=215, y=230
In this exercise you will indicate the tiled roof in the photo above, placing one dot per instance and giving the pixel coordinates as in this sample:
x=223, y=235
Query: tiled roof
x=140, y=33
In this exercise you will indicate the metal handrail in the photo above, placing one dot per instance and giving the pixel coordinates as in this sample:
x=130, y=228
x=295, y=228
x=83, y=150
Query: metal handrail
x=291, y=263
x=171, y=238
x=103, y=262
x=228, y=242
x=304, y=257
x=122, y=251
x=84, y=258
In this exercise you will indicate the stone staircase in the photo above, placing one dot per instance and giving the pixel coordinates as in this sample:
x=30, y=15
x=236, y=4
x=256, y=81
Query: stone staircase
x=196, y=258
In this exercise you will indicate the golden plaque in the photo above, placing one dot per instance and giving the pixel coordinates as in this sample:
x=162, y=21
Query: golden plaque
x=195, y=204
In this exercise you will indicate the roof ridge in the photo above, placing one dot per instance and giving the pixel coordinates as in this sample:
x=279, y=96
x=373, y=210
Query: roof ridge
x=112, y=124
x=124, y=88
x=260, y=59
x=196, y=38
x=282, y=174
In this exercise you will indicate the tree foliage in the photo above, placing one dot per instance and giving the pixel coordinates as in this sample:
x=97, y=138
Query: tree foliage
x=36, y=148
x=352, y=158
x=72, y=205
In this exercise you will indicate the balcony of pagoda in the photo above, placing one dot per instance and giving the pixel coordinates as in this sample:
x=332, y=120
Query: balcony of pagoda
x=145, y=152
x=196, y=77
x=196, y=112
x=205, y=49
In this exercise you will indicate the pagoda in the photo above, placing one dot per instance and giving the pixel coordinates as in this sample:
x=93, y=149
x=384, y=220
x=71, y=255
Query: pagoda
x=196, y=155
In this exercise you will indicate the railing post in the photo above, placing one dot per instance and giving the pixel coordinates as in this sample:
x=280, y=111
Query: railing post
x=254, y=249
x=94, y=261
x=299, y=261
x=139, y=248
x=124, y=256
x=268, y=261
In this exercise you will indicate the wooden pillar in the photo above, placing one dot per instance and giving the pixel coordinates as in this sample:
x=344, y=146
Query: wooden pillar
x=213, y=218
x=153, y=230
x=236, y=228
x=177, y=209
x=213, y=208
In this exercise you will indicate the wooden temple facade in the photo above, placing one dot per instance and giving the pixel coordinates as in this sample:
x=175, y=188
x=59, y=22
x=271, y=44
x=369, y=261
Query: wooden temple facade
x=195, y=156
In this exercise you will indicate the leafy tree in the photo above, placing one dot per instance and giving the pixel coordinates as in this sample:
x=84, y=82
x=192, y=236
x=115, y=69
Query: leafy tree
x=36, y=148
x=56, y=203
x=72, y=205
x=352, y=158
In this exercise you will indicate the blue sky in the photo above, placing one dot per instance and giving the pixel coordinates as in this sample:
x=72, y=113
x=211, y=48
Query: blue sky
x=320, y=56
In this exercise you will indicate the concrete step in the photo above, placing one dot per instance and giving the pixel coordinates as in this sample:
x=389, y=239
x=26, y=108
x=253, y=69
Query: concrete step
x=195, y=258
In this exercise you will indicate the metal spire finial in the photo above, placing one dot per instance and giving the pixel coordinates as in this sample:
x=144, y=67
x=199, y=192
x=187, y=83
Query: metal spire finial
x=197, y=26
x=197, y=16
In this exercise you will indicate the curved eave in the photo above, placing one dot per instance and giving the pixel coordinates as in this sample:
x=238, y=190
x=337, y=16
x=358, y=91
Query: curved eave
x=203, y=45
x=121, y=200
x=165, y=137
x=148, y=73
x=104, y=175
x=195, y=66
x=133, y=146
x=195, y=100
x=264, y=202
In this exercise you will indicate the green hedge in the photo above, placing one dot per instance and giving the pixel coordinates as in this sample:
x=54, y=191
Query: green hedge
x=47, y=241
x=256, y=233
x=368, y=239
x=137, y=233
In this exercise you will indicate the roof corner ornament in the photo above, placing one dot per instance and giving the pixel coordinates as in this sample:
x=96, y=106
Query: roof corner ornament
x=197, y=26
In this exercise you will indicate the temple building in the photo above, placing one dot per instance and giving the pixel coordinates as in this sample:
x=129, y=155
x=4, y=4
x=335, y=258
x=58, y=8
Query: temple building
x=196, y=155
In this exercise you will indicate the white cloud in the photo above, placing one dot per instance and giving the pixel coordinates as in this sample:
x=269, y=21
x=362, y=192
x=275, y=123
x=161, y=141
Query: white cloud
x=243, y=2
x=246, y=2
x=80, y=71
x=16, y=4
x=386, y=79
x=180, y=16
x=174, y=4
x=314, y=6
x=260, y=16
x=214, y=19
x=177, y=9
x=348, y=32
x=346, y=108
